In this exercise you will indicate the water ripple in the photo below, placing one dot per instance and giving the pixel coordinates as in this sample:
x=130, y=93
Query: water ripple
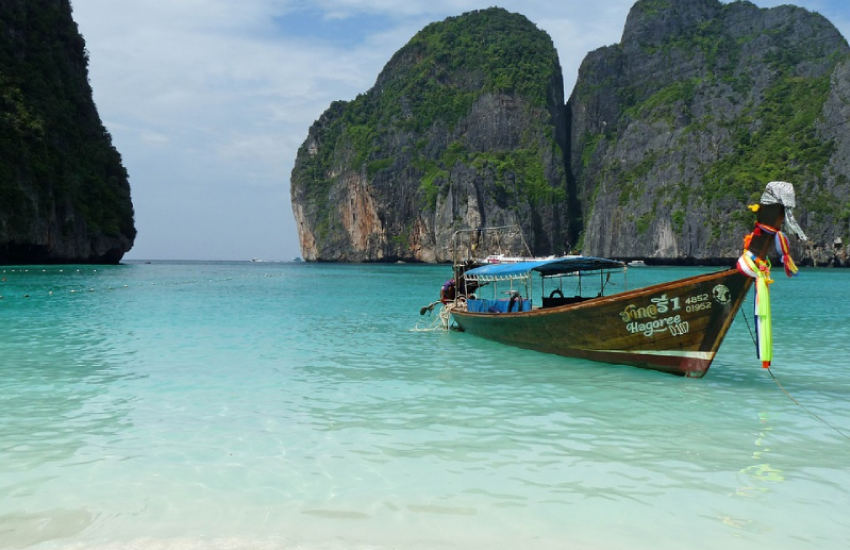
x=234, y=406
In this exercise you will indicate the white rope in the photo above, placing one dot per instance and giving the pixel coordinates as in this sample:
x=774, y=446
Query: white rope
x=446, y=315
x=429, y=325
x=441, y=321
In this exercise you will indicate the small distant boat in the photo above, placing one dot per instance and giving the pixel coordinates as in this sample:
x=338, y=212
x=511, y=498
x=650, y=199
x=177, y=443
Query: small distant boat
x=636, y=263
x=675, y=327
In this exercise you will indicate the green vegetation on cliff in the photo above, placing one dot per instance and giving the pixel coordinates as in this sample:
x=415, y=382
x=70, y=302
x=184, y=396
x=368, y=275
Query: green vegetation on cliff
x=718, y=99
x=438, y=75
x=672, y=132
x=56, y=158
x=784, y=145
x=429, y=86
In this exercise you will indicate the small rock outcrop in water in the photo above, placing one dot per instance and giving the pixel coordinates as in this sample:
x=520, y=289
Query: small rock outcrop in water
x=464, y=128
x=64, y=194
x=667, y=137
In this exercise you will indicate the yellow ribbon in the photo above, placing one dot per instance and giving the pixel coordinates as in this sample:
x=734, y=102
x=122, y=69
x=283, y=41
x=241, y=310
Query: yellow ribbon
x=751, y=266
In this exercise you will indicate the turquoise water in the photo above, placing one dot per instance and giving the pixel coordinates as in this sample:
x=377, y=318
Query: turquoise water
x=292, y=406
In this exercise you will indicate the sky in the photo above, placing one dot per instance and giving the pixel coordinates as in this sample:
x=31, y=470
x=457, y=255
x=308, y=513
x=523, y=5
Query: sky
x=208, y=100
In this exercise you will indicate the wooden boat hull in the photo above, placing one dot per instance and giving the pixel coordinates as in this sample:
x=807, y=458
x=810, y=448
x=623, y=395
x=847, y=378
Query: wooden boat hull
x=675, y=327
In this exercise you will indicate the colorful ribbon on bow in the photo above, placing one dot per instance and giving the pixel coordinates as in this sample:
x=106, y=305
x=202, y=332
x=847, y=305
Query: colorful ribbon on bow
x=749, y=265
x=781, y=244
x=777, y=192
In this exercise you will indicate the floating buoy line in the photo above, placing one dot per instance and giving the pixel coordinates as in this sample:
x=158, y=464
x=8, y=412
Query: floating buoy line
x=781, y=387
x=85, y=289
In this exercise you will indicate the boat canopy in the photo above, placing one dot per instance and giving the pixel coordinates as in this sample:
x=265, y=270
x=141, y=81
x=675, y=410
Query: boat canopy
x=547, y=268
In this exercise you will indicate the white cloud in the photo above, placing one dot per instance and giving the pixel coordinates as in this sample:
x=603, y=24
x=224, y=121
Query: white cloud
x=209, y=100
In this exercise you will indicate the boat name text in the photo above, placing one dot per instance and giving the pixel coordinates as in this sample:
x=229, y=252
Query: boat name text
x=660, y=305
x=674, y=323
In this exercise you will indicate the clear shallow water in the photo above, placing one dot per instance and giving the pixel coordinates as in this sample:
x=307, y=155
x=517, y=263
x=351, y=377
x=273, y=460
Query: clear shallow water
x=282, y=406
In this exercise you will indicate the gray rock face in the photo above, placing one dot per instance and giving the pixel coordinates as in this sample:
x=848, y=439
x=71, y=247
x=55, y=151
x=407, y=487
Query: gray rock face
x=668, y=136
x=678, y=127
x=392, y=175
x=64, y=194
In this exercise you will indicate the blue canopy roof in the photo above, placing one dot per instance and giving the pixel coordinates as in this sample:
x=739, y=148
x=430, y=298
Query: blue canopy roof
x=557, y=266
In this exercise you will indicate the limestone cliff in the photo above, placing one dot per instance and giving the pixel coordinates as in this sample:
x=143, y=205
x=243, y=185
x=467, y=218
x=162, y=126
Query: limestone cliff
x=464, y=128
x=676, y=128
x=64, y=194
x=667, y=137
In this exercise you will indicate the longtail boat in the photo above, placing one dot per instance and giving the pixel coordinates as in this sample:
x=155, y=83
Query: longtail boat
x=675, y=327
